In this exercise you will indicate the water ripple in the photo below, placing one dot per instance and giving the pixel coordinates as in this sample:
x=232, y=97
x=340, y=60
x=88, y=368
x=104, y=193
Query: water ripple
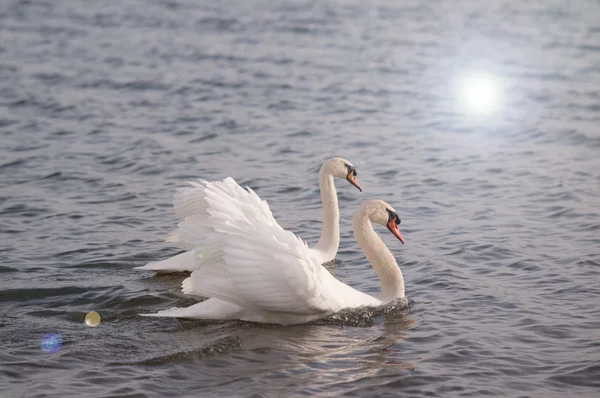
x=104, y=113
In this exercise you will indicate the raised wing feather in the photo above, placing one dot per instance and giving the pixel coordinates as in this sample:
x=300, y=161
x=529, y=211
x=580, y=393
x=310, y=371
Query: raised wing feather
x=261, y=266
x=192, y=207
x=189, y=200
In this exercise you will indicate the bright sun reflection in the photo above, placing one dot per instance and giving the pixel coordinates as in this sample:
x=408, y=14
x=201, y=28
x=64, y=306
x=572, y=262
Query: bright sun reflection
x=479, y=93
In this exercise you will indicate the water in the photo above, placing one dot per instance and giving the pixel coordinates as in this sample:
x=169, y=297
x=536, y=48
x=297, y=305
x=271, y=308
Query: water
x=106, y=107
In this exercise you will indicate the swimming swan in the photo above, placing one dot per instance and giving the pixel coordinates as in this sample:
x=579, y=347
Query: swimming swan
x=189, y=201
x=252, y=269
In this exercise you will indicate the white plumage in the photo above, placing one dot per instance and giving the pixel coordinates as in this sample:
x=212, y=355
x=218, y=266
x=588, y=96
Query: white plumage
x=191, y=204
x=252, y=269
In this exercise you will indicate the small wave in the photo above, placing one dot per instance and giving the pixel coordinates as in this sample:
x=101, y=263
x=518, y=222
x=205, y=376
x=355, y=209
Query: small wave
x=588, y=263
x=219, y=24
x=302, y=133
x=23, y=210
x=136, y=85
x=221, y=346
x=6, y=268
x=585, y=376
x=96, y=264
x=206, y=137
x=13, y=163
x=40, y=293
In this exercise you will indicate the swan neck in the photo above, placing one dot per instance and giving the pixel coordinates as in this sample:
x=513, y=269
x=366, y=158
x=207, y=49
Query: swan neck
x=380, y=257
x=330, y=236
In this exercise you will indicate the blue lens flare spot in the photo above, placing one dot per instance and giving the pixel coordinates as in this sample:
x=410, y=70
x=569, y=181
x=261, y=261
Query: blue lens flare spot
x=51, y=342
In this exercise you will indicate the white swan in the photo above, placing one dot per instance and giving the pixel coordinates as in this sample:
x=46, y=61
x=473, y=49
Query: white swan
x=190, y=201
x=257, y=271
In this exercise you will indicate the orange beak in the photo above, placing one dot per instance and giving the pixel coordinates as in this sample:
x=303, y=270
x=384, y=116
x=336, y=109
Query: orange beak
x=393, y=227
x=353, y=181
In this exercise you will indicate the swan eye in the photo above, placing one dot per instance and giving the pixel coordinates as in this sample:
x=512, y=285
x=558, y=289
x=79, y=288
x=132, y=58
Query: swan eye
x=351, y=170
x=398, y=220
x=391, y=216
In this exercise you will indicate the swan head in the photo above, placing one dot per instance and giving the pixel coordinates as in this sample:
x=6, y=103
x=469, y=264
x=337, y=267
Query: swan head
x=341, y=168
x=382, y=213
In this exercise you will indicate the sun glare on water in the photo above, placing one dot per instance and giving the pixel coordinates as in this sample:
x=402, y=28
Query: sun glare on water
x=479, y=93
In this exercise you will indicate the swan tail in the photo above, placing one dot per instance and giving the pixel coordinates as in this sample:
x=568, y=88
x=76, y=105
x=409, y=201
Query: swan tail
x=211, y=309
x=184, y=262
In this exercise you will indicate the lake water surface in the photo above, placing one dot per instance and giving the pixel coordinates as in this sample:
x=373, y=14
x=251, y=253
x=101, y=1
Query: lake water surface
x=107, y=106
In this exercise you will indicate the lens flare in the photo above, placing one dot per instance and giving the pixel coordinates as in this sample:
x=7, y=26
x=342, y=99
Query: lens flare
x=479, y=93
x=92, y=319
x=51, y=343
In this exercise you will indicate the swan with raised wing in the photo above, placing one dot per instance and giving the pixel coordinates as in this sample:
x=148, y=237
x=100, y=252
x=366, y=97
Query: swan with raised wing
x=257, y=271
x=191, y=200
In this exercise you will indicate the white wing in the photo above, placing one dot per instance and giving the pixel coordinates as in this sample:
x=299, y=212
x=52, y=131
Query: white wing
x=255, y=263
x=192, y=208
x=190, y=204
x=189, y=200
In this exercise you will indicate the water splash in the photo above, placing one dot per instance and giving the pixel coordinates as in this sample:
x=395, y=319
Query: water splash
x=363, y=317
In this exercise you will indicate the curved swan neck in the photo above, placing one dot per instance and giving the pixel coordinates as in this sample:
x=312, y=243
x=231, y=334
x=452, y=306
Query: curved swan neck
x=330, y=236
x=380, y=257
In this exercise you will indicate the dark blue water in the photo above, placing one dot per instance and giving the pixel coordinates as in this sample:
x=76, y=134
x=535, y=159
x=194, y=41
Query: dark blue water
x=107, y=106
